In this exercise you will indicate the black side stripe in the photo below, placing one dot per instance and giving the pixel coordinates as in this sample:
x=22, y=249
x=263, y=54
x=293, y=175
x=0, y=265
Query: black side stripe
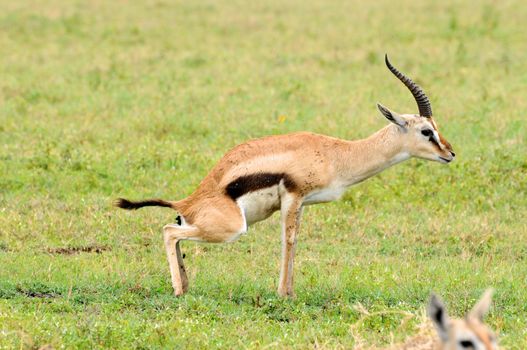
x=258, y=181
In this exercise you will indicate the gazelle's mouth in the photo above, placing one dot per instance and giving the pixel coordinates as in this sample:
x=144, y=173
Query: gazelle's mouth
x=445, y=160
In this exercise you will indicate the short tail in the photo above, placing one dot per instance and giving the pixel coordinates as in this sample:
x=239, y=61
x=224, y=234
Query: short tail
x=129, y=205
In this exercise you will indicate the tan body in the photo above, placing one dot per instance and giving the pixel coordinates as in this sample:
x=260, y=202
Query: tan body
x=322, y=168
x=285, y=173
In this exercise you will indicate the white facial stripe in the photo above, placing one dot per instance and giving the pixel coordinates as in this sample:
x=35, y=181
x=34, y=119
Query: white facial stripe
x=435, y=134
x=436, y=138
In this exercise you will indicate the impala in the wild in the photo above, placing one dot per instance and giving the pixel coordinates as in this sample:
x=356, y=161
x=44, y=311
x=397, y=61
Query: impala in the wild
x=288, y=172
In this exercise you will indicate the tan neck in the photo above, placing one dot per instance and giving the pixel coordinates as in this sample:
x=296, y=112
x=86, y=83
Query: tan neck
x=362, y=159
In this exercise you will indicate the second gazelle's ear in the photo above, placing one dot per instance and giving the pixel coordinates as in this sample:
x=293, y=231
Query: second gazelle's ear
x=482, y=307
x=437, y=313
x=392, y=116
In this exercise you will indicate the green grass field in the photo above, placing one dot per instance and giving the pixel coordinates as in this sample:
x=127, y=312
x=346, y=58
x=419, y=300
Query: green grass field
x=139, y=99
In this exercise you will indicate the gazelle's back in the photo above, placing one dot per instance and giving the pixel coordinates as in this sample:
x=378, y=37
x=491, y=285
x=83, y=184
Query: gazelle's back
x=257, y=174
x=294, y=153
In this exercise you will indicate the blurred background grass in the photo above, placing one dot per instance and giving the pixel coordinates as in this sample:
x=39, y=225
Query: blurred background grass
x=140, y=99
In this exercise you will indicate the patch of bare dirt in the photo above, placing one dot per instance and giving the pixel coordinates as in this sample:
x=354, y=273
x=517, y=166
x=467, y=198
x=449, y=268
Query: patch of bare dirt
x=76, y=250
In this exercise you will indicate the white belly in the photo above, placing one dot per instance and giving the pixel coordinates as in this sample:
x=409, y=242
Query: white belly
x=259, y=205
x=324, y=195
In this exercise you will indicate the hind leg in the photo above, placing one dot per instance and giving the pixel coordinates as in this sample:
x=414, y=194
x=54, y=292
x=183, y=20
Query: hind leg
x=222, y=221
x=173, y=235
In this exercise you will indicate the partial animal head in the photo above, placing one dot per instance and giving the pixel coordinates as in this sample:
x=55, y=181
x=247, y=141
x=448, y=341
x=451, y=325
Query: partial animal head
x=469, y=333
x=419, y=131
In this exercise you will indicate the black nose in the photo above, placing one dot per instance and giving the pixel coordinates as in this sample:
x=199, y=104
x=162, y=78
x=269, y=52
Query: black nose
x=453, y=154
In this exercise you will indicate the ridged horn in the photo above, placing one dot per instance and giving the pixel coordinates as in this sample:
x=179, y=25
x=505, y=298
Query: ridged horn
x=425, y=110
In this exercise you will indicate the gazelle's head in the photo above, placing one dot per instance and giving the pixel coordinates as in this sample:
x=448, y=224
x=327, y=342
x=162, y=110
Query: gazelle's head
x=469, y=333
x=419, y=132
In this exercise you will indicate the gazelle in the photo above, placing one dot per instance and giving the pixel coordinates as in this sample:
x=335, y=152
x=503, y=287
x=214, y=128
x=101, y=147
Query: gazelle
x=287, y=172
x=468, y=333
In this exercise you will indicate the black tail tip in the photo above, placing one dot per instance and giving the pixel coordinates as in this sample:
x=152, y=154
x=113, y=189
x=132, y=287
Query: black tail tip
x=124, y=204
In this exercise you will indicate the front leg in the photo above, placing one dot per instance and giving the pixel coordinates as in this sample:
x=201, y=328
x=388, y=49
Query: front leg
x=291, y=212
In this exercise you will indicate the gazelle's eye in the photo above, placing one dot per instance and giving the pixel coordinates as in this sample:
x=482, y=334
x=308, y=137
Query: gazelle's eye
x=467, y=344
x=426, y=132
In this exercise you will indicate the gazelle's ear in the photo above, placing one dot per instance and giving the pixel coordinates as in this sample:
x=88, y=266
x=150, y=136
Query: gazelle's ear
x=437, y=313
x=482, y=307
x=392, y=116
